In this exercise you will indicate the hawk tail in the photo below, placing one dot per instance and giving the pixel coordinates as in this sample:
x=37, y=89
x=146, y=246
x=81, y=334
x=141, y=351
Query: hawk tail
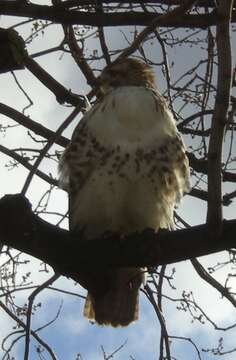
x=120, y=305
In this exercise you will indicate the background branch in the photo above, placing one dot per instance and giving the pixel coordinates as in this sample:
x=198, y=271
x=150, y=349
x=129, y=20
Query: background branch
x=14, y=8
x=220, y=116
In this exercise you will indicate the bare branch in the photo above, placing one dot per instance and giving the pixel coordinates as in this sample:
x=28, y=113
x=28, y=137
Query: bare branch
x=31, y=124
x=157, y=21
x=27, y=165
x=44, y=151
x=62, y=94
x=29, y=311
x=73, y=17
x=165, y=336
x=219, y=120
x=33, y=333
x=210, y=280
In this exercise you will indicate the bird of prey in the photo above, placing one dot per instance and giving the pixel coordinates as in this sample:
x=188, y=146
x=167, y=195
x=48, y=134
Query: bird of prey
x=125, y=169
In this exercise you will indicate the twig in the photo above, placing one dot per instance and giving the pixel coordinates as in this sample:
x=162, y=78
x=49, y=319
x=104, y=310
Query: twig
x=178, y=12
x=44, y=151
x=24, y=92
x=189, y=340
x=78, y=56
x=29, y=311
x=210, y=280
x=31, y=124
x=50, y=180
x=161, y=319
x=20, y=322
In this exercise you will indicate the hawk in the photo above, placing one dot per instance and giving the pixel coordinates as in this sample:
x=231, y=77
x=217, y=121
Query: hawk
x=125, y=169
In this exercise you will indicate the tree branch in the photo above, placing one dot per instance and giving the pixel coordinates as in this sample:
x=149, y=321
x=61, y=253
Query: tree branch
x=48, y=145
x=158, y=20
x=78, y=55
x=62, y=94
x=201, y=165
x=16, y=57
x=20, y=228
x=73, y=3
x=220, y=116
x=23, y=161
x=19, y=322
x=12, y=49
x=31, y=124
x=73, y=17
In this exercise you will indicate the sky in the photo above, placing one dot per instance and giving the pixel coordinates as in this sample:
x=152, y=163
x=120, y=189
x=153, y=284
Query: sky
x=70, y=335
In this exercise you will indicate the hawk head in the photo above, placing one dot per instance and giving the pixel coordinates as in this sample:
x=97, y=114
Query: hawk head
x=126, y=72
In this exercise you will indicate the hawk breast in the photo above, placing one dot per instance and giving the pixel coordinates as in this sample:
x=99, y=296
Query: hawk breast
x=129, y=115
x=126, y=164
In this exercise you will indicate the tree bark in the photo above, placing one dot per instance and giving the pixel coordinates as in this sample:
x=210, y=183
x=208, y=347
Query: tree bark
x=67, y=253
x=73, y=17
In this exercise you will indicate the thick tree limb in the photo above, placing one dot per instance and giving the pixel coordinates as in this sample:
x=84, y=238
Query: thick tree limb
x=68, y=254
x=63, y=16
x=12, y=49
x=220, y=116
x=73, y=3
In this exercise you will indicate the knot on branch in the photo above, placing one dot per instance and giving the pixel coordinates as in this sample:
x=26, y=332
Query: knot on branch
x=12, y=49
x=16, y=217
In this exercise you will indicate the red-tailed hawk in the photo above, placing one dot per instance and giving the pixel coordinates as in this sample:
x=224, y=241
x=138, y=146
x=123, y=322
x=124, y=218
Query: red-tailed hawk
x=125, y=169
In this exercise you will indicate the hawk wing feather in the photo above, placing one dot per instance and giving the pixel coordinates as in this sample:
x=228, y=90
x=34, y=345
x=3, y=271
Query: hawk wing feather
x=125, y=169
